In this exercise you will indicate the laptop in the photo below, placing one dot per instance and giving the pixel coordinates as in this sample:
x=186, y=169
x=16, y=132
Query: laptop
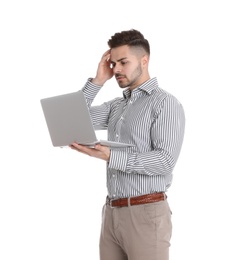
x=68, y=120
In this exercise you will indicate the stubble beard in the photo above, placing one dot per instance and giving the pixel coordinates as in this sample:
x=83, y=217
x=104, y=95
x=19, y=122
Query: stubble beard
x=134, y=78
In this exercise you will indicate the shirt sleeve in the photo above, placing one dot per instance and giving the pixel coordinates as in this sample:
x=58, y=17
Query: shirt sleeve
x=90, y=91
x=167, y=132
x=99, y=114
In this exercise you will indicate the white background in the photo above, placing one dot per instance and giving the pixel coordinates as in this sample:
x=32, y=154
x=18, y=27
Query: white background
x=51, y=198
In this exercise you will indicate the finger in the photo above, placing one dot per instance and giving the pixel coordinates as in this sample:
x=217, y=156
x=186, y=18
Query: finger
x=81, y=148
x=74, y=148
x=106, y=53
x=100, y=147
x=106, y=56
x=97, y=146
x=78, y=146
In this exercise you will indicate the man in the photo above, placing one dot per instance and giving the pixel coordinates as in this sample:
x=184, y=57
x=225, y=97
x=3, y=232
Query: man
x=136, y=222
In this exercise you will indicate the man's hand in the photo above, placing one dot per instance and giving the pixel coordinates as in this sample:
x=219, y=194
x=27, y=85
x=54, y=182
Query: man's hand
x=99, y=151
x=104, y=71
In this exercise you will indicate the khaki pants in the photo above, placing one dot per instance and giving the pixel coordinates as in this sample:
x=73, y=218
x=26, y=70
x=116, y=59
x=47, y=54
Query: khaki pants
x=140, y=232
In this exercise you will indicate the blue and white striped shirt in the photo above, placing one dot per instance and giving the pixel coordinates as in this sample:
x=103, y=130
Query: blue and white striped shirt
x=154, y=121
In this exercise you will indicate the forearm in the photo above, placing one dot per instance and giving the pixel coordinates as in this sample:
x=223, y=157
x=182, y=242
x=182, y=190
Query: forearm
x=99, y=114
x=90, y=90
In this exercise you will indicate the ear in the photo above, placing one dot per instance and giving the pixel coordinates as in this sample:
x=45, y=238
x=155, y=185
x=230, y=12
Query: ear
x=145, y=60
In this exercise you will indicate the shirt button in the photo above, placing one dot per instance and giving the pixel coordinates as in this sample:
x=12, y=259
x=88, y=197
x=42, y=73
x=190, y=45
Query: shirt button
x=121, y=118
x=113, y=175
x=117, y=135
x=114, y=195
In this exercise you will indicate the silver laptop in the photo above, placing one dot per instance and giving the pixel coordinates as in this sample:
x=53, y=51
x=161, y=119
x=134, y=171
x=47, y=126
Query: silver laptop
x=68, y=120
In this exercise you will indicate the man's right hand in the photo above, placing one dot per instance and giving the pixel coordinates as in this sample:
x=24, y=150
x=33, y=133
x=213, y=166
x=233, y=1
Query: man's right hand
x=104, y=71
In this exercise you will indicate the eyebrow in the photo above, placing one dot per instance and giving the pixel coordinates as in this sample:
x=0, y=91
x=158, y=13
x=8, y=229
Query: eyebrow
x=119, y=60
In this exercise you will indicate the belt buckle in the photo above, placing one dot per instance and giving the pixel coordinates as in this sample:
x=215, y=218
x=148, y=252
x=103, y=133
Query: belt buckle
x=110, y=203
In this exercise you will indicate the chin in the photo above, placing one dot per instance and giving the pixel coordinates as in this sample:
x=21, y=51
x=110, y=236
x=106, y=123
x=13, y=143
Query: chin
x=123, y=84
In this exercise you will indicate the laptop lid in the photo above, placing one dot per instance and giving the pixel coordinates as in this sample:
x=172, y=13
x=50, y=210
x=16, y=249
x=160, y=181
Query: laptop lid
x=68, y=120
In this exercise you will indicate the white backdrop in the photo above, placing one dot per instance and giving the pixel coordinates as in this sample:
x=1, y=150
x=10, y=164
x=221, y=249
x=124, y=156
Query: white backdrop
x=51, y=198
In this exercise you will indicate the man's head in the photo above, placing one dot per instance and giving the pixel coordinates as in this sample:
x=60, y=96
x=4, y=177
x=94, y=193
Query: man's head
x=130, y=53
x=132, y=38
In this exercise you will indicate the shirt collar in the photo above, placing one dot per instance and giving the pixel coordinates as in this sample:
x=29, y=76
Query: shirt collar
x=148, y=87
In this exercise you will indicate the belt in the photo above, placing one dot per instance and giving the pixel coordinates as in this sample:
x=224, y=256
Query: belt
x=143, y=199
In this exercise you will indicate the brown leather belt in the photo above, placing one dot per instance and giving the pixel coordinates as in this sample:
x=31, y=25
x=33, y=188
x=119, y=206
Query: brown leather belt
x=143, y=199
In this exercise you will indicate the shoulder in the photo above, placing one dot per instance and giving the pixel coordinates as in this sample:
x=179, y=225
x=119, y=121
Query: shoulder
x=166, y=102
x=161, y=96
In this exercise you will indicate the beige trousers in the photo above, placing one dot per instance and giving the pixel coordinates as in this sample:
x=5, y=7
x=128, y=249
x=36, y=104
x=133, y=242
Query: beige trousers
x=140, y=232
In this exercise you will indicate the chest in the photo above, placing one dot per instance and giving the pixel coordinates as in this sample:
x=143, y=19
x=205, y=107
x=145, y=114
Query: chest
x=132, y=116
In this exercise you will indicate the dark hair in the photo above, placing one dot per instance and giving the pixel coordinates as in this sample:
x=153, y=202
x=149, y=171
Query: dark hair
x=131, y=38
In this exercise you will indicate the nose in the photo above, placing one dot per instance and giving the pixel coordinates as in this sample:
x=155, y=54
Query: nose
x=117, y=69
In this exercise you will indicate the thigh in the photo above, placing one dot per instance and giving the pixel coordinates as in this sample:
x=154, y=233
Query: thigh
x=111, y=251
x=110, y=248
x=149, y=232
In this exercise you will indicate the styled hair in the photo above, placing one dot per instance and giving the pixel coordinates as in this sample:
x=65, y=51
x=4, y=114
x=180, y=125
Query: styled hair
x=132, y=38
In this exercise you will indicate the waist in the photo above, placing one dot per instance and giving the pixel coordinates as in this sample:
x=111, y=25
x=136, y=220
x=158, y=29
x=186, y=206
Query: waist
x=138, y=200
x=127, y=184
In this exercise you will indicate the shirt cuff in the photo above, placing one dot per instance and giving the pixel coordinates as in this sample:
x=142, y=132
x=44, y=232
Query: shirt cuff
x=118, y=160
x=90, y=90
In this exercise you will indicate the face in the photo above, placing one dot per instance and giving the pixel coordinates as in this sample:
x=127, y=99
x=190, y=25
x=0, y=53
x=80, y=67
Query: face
x=128, y=67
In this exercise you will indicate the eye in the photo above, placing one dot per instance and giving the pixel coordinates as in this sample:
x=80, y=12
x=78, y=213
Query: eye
x=123, y=62
x=112, y=65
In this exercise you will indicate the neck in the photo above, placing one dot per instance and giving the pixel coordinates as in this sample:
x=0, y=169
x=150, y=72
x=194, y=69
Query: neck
x=140, y=82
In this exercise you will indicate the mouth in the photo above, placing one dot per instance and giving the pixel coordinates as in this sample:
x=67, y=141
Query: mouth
x=120, y=77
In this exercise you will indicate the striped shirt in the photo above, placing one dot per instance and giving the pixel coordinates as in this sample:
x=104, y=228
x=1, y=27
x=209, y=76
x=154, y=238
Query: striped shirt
x=151, y=119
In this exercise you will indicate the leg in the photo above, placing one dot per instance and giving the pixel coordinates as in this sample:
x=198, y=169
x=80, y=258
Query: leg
x=110, y=248
x=147, y=231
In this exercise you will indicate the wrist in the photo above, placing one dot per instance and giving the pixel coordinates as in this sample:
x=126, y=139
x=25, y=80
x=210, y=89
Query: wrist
x=97, y=82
